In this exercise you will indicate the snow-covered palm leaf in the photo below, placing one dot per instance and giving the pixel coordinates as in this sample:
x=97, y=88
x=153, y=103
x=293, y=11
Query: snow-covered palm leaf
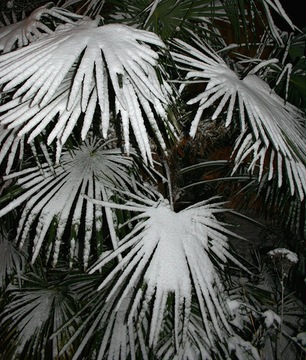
x=11, y=147
x=171, y=253
x=198, y=346
x=275, y=5
x=112, y=335
x=95, y=55
x=54, y=197
x=116, y=338
x=11, y=260
x=32, y=314
x=271, y=130
x=21, y=118
x=32, y=28
x=108, y=336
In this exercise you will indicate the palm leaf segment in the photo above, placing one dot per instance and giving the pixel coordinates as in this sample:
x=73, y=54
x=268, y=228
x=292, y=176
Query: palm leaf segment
x=271, y=129
x=168, y=17
x=11, y=261
x=32, y=28
x=54, y=196
x=170, y=253
x=67, y=73
x=32, y=315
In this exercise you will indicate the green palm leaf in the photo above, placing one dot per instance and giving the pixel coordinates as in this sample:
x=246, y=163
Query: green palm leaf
x=168, y=18
x=239, y=13
x=91, y=8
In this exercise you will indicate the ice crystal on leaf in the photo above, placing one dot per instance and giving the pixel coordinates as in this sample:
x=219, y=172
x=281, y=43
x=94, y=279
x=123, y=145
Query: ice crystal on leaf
x=54, y=195
x=68, y=73
x=271, y=130
x=172, y=253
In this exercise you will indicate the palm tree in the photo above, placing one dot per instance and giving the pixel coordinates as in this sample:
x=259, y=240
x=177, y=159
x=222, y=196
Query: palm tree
x=114, y=238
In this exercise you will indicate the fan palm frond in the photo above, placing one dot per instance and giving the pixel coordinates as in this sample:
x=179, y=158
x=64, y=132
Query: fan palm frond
x=32, y=28
x=32, y=314
x=171, y=253
x=12, y=262
x=168, y=18
x=291, y=71
x=11, y=147
x=107, y=335
x=197, y=345
x=239, y=13
x=68, y=72
x=90, y=8
x=54, y=196
x=271, y=129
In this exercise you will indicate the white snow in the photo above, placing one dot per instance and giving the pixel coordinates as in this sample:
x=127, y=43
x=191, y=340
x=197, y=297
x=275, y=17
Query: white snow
x=41, y=71
x=55, y=194
x=285, y=254
x=271, y=121
x=271, y=318
x=170, y=252
x=301, y=338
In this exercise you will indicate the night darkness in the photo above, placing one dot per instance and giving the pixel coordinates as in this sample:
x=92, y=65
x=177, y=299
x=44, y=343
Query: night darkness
x=296, y=11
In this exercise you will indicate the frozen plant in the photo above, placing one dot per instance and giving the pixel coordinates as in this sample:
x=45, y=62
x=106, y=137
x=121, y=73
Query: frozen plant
x=283, y=259
x=101, y=101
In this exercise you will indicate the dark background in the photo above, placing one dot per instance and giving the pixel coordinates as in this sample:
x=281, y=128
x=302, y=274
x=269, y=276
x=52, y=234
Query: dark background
x=294, y=8
x=296, y=11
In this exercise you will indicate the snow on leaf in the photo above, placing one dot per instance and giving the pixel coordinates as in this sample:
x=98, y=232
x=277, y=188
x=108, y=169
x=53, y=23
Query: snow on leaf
x=32, y=28
x=242, y=349
x=271, y=318
x=67, y=73
x=11, y=147
x=31, y=315
x=54, y=196
x=117, y=334
x=170, y=253
x=284, y=254
x=301, y=338
x=268, y=124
